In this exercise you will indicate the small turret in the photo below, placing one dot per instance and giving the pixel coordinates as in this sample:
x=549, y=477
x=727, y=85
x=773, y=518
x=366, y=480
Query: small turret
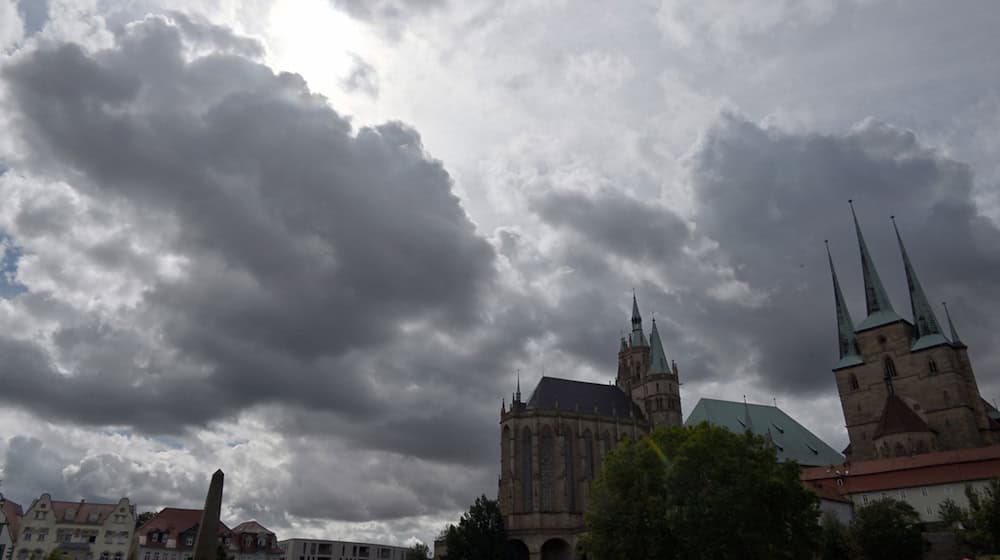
x=847, y=340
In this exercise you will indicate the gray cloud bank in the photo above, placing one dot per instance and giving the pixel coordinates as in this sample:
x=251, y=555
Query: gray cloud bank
x=328, y=280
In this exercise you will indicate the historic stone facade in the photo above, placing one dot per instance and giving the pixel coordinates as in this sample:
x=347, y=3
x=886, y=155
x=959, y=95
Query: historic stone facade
x=904, y=387
x=553, y=445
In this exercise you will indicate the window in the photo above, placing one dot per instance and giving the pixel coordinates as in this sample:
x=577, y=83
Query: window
x=156, y=556
x=123, y=537
x=27, y=534
x=854, y=382
x=146, y=556
x=923, y=491
x=902, y=494
x=70, y=514
x=118, y=556
x=42, y=534
x=890, y=367
x=362, y=552
x=40, y=515
x=107, y=537
x=189, y=540
x=932, y=366
x=864, y=499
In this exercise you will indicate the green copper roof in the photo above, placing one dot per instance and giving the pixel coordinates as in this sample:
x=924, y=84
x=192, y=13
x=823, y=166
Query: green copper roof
x=792, y=441
x=877, y=319
x=658, y=362
x=925, y=323
x=849, y=360
x=876, y=298
x=951, y=327
x=847, y=341
x=929, y=341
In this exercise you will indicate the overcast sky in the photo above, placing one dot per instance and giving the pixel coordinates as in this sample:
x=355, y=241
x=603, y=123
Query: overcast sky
x=311, y=242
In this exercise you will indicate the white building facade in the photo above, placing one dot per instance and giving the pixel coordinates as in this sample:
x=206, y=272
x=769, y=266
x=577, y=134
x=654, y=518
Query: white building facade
x=313, y=549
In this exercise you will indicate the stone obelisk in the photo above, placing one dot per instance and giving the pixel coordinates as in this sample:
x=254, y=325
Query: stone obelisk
x=207, y=542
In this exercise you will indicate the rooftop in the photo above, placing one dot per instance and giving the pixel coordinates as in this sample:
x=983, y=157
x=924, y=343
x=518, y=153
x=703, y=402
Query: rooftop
x=792, y=441
x=553, y=393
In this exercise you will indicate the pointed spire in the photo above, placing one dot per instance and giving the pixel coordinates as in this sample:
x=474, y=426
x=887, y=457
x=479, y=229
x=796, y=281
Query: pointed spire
x=924, y=321
x=637, y=338
x=847, y=341
x=877, y=302
x=657, y=358
x=747, y=422
x=517, y=390
x=955, y=341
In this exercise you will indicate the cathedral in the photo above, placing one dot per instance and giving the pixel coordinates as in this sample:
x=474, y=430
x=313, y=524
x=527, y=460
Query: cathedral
x=905, y=387
x=553, y=445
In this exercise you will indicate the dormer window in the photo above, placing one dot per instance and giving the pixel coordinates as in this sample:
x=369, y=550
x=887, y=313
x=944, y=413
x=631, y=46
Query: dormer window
x=70, y=514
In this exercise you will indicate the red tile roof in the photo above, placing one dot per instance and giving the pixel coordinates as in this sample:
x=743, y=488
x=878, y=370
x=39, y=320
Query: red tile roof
x=943, y=467
x=13, y=512
x=80, y=512
x=173, y=522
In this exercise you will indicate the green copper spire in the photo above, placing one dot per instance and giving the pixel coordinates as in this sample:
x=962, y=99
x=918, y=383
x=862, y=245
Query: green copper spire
x=637, y=338
x=926, y=330
x=847, y=340
x=658, y=362
x=877, y=303
x=955, y=341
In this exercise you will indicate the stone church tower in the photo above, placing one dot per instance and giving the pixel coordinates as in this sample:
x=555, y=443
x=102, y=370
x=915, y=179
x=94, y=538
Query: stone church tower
x=905, y=388
x=553, y=445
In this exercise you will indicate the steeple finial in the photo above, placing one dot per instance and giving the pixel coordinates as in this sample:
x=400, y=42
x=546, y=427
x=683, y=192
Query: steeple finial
x=517, y=390
x=955, y=341
x=637, y=338
x=847, y=341
x=876, y=298
x=747, y=422
x=658, y=362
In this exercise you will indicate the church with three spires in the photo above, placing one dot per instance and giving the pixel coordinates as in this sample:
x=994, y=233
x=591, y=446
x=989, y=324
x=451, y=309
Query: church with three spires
x=905, y=387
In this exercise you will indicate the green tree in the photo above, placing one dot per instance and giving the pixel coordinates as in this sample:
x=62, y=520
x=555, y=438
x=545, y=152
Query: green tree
x=56, y=554
x=144, y=518
x=835, y=539
x=888, y=528
x=977, y=526
x=700, y=492
x=480, y=534
x=418, y=551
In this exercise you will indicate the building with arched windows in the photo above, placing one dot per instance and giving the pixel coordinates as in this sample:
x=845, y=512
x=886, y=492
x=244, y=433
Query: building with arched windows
x=905, y=387
x=553, y=444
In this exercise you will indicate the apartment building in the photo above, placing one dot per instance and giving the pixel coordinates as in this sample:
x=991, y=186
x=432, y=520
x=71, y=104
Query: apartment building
x=317, y=549
x=79, y=530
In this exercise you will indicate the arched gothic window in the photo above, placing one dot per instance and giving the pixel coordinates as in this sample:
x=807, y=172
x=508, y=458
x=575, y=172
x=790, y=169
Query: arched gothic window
x=569, y=456
x=547, y=469
x=524, y=454
x=854, y=382
x=932, y=365
x=890, y=367
x=588, y=454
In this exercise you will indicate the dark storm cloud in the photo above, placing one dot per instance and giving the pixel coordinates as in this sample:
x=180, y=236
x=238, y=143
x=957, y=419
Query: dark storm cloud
x=770, y=198
x=308, y=244
x=620, y=224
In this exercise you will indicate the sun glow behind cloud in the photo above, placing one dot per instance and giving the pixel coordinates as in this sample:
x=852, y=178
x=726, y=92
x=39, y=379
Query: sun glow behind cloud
x=313, y=39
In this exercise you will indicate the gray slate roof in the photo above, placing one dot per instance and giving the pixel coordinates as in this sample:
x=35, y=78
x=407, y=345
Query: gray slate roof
x=553, y=393
x=791, y=439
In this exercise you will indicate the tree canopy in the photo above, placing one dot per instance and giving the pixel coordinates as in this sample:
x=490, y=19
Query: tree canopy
x=700, y=492
x=419, y=551
x=888, y=528
x=480, y=533
x=977, y=526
